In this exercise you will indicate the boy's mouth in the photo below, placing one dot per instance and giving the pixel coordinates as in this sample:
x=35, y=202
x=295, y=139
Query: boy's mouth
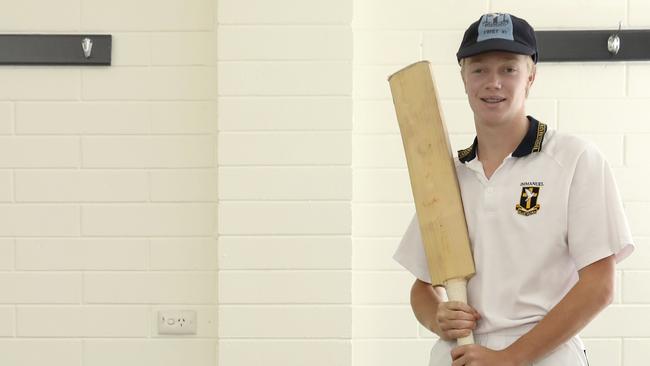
x=493, y=100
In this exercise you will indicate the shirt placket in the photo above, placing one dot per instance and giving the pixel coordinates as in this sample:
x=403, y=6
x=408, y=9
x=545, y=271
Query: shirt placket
x=490, y=186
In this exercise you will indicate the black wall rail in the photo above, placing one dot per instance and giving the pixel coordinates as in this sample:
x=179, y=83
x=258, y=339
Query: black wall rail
x=591, y=45
x=554, y=46
x=55, y=49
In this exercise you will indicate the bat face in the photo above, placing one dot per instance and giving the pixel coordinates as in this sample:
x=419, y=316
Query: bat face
x=432, y=173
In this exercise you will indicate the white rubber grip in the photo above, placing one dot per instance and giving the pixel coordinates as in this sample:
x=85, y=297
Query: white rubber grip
x=457, y=291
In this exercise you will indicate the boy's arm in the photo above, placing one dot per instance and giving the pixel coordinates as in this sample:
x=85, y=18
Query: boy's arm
x=449, y=320
x=591, y=294
x=424, y=302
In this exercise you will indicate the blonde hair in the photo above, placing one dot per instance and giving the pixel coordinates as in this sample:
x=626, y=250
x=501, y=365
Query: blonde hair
x=529, y=62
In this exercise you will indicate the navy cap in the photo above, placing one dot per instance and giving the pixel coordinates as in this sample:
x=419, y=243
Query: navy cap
x=498, y=32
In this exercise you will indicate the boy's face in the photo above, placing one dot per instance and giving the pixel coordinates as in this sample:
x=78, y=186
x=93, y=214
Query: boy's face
x=497, y=84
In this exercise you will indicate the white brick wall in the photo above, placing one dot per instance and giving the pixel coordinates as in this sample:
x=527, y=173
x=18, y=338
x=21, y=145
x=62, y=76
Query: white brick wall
x=285, y=183
x=286, y=352
x=557, y=13
x=42, y=351
x=163, y=352
x=108, y=188
x=109, y=176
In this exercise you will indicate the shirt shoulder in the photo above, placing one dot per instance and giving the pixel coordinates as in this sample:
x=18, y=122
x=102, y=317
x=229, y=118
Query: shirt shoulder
x=566, y=149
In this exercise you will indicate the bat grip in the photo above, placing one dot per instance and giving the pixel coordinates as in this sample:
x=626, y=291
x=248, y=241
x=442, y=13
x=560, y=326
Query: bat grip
x=457, y=291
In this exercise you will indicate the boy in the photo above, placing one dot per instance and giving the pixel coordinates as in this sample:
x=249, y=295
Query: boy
x=544, y=216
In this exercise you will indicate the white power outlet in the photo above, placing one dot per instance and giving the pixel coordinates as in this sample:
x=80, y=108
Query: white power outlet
x=177, y=322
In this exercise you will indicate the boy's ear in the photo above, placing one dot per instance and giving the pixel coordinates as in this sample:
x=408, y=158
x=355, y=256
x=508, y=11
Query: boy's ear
x=462, y=77
x=531, y=79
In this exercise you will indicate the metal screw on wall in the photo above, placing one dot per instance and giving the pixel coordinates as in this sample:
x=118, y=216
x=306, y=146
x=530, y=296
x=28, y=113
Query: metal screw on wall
x=614, y=42
x=87, y=46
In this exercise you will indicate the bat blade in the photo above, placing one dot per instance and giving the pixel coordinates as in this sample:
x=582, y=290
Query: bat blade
x=436, y=193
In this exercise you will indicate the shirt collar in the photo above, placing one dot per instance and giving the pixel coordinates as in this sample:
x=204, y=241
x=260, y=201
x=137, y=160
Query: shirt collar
x=532, y=142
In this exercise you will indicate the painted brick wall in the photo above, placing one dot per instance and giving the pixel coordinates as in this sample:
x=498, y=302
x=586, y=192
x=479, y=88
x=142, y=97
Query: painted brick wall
x=109, y=176
x=108, y=187
x=285, y=182
x=602, y=102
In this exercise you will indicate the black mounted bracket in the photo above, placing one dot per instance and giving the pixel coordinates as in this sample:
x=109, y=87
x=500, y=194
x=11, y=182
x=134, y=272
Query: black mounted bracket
x=55, y=49
x=593, y=45
x=554, y=46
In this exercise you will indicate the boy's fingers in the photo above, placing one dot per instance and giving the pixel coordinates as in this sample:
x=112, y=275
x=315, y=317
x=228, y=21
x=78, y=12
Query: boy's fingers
x=456, y=305
x=461, y=315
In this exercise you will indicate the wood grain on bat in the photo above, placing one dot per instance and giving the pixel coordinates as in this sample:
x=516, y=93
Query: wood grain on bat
x=432, y=173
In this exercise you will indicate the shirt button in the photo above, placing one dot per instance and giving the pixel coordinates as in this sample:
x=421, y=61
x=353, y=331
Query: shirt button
x=489, y=190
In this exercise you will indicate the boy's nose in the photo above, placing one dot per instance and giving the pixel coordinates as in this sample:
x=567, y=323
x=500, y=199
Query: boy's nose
x=494, y=81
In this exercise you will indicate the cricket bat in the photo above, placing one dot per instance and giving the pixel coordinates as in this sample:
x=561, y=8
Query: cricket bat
x=436, y=193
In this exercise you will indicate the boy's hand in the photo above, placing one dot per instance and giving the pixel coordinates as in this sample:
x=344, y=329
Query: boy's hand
x=455, y=319
x=475, y=355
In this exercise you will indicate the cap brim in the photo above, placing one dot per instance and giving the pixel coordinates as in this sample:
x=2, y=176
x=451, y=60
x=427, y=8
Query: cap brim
x=495, y=45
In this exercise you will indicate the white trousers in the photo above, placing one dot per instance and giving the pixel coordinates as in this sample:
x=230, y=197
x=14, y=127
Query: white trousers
x=570, y=353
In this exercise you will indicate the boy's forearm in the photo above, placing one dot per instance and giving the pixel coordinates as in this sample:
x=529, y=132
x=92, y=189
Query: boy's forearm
x=582, y=303
x=424, y=302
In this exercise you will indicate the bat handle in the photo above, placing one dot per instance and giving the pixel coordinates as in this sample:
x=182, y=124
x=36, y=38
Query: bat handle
x=457, y=291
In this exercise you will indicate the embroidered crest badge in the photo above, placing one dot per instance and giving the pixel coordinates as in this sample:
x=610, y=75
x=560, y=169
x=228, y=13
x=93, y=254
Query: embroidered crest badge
x=528, y=201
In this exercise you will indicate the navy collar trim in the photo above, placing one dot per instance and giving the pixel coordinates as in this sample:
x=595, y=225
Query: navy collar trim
x=532, y=142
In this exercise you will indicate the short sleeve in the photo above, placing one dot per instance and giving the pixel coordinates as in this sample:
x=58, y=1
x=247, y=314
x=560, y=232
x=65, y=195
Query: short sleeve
x=597, y=226
x=410, y=253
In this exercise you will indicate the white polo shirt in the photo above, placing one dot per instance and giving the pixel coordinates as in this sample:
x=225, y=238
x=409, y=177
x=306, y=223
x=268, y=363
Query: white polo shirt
x=550, y=209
